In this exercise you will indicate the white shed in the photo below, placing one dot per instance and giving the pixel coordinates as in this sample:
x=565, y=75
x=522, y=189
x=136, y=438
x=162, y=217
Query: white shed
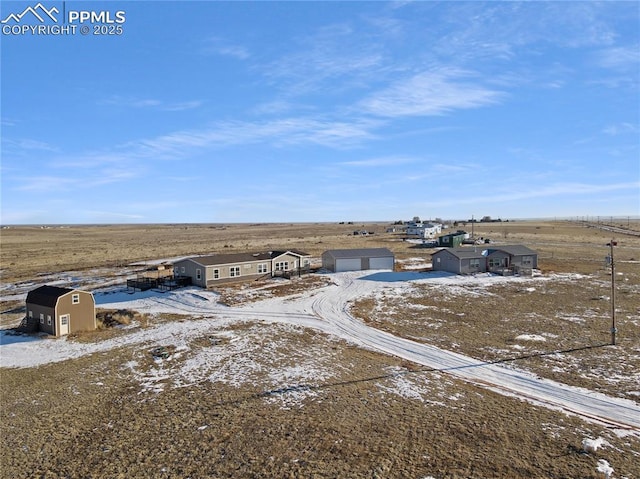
x=338, y=260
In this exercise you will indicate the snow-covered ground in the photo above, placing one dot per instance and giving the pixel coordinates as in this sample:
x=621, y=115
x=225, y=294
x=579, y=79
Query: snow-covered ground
x=325, y=309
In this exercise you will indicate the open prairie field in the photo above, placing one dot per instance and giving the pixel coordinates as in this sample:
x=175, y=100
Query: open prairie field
x=252, y=382
x=29, y=251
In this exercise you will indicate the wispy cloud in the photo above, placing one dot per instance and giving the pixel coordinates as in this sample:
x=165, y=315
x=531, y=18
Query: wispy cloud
x=18, y=144
x=8, y=122
x=621, y=128
x=112, y=215
x=276, y=107
x=382, y=161
x=65, y=182
x=619, y=58
x=181, y=144
x=282, y=132
x=430, y=93
x=44, y=183
x=553, y=190
x=151, y=103
x=334, y=52
x=181, y=106
x=219, y=46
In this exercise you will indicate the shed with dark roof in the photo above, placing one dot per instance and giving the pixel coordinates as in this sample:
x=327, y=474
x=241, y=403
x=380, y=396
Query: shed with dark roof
x=60, y=311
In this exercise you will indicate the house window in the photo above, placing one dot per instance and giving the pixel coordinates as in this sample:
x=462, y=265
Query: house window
x=282, y=266
x=41, y=318
x=30, y=314
x=306, y=262
x=474, y=263
x=48, y=320
x=198, y=274
x=182, y=270
x=234, y=271
x=527, y=260
x=494, y=262
x=262, y=268
x=216, y=274
x=75, y=299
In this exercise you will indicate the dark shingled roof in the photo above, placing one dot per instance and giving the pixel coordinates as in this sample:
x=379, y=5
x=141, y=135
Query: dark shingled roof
x=232, y=258
x=476, y=251
x=464, y=253
x=46, y=295
x=514, y=250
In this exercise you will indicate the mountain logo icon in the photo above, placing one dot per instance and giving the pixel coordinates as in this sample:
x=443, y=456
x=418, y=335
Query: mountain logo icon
x=39, y=11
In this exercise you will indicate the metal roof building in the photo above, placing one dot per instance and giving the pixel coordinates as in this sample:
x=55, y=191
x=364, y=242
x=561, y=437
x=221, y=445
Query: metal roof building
x=339, y=260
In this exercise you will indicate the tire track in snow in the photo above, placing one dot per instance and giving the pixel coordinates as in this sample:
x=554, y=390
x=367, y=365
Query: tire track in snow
x=619, y=413
x=326, y=309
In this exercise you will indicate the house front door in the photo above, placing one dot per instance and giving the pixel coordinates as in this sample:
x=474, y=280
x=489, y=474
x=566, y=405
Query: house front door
x=64, y=325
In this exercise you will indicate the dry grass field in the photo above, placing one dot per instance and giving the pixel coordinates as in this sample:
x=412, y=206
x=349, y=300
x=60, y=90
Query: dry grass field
x=359, y=414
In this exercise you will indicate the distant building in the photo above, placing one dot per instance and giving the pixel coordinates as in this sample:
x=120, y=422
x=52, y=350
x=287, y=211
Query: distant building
x=339, y=260
x=452, y=240
x=513, y=259
x=424, y=230
x=206, y=271
x=59, y=311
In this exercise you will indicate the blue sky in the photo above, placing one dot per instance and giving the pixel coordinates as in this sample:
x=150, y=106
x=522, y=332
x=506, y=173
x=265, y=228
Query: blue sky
x=323, y=111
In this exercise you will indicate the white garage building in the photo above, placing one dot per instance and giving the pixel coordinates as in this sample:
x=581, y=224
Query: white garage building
x=338, y=260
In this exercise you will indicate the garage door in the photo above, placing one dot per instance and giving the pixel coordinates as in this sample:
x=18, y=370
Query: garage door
x=381, y=263
x=350, y=264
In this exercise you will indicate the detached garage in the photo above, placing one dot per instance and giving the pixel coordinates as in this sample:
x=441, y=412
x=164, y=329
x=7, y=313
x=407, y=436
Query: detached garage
x=339, y=260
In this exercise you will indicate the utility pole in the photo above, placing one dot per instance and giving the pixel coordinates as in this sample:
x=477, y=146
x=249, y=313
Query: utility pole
x=613, y=294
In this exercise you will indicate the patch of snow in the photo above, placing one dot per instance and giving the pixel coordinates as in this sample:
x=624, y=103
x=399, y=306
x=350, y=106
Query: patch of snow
x=592, y=445
x=605, y=468
x=530, y=337
x=416, y=386
x=572, y=319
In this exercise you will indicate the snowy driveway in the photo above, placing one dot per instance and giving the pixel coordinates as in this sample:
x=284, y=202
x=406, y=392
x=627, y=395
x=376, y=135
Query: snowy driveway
x=326, y=309
x=331, y=306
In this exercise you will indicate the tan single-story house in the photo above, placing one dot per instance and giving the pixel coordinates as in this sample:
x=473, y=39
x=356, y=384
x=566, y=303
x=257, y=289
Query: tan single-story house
x=509, y=259
x=206, y=271
x=357, y=259
x=59, y=311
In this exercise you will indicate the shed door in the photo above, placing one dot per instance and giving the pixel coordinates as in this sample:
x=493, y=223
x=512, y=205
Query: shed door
x=64, y=325
x=381, y=263
x=347, y=264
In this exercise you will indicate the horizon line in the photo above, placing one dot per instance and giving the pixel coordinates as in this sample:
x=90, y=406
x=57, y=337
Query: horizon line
x=576, y=218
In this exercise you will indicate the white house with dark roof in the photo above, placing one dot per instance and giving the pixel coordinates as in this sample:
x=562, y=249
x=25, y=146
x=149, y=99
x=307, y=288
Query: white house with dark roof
x=219, y=268
x=339, y=260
